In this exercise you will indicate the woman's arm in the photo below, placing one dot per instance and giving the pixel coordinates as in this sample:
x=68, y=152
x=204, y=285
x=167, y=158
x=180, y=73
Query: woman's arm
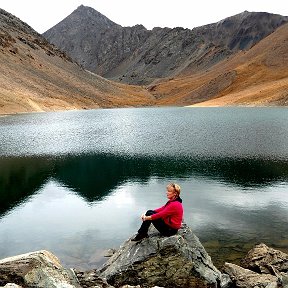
x=167, y=211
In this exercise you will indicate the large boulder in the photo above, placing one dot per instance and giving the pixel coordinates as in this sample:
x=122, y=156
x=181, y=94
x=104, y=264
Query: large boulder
x=37, y=269
x=244, y=278
x=175, y=261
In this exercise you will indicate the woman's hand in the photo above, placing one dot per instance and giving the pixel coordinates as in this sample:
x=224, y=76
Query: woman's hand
x=145, y=218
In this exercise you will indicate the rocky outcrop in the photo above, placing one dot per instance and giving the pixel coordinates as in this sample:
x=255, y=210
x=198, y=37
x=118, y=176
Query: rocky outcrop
x=176, y=261
x=244, y=278
x=265, y=260
x=154, y=262
x=136, y=55
x=37, y=269
x=262, y=267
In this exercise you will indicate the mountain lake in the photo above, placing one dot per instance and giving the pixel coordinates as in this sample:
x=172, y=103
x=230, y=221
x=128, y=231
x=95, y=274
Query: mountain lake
x=76, y=182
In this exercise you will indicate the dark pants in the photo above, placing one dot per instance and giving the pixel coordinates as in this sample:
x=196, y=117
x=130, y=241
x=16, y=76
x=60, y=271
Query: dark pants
x=159, y=224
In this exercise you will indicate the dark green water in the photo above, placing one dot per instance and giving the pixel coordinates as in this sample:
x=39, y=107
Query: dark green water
x=75, y=183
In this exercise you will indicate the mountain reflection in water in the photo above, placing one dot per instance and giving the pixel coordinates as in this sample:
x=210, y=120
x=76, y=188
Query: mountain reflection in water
x=222, y=199
x=94, y=176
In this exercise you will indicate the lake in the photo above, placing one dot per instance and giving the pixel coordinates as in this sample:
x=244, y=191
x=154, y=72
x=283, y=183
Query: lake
x=76, y=182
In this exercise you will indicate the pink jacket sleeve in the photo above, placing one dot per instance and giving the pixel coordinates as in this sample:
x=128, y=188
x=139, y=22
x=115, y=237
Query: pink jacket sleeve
x=163, y=212
x=157, y=210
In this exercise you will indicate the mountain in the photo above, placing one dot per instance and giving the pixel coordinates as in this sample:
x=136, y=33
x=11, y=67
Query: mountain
x=139, y=56
x=234, y=69
x=37, y=76
x=256, y=77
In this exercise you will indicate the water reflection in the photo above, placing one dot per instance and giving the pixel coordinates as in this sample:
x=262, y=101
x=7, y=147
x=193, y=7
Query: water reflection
x=20, y=178
x=95, y=176
x=56, y=203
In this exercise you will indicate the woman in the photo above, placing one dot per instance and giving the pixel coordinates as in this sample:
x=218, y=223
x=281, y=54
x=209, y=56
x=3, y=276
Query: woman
x=166, y=219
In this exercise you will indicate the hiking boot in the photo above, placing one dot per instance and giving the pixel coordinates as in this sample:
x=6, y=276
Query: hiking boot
x=139, y=237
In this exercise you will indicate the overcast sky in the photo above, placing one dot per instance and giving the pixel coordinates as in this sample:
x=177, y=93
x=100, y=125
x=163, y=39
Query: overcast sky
x=42, y=15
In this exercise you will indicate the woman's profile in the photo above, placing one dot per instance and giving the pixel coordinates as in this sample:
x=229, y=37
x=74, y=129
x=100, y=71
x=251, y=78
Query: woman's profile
x=166, y=219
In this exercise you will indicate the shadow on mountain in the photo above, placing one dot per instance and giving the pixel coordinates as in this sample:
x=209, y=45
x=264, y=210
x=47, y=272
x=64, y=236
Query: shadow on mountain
x=94, y=176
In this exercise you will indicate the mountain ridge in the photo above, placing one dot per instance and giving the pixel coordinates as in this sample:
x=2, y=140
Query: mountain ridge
x=256, y=77
x=135, y=55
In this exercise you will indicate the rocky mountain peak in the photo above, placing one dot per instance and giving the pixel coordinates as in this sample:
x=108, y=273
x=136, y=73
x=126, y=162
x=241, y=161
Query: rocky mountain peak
x=91, y=17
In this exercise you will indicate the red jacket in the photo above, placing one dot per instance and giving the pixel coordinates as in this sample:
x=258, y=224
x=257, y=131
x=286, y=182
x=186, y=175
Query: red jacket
x=171, y=213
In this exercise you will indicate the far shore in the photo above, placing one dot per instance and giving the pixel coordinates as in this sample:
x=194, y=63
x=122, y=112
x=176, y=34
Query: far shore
x=188, y=106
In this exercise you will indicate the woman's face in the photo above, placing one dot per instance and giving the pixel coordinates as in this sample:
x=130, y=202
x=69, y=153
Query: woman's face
x=171, y=194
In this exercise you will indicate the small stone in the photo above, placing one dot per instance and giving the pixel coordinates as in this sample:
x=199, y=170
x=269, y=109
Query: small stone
x=109, y=252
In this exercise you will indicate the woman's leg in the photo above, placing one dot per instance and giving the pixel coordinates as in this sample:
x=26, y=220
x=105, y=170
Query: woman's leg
x=163, y=228
x=159, y=224
x=143, y=231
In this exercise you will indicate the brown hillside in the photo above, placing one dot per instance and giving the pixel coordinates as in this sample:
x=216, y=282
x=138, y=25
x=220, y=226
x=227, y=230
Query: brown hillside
x=258, y=76
x=35, y=76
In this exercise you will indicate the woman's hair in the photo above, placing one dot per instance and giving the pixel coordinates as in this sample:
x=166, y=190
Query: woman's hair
x=176, y=188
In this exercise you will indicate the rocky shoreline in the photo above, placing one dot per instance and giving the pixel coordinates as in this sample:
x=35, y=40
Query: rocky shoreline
x=157, y=261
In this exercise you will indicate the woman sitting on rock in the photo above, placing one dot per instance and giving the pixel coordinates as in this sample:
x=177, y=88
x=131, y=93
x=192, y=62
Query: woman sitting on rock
x=166, y=219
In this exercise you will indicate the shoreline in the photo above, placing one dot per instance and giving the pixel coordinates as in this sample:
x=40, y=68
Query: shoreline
x=136, y=107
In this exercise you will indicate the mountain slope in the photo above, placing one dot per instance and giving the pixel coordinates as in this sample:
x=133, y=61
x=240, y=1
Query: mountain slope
x=255, y=77
x=35, y=76
x=140, y=56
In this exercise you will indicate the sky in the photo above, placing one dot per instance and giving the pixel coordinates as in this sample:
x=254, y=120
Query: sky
x=42, y=15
